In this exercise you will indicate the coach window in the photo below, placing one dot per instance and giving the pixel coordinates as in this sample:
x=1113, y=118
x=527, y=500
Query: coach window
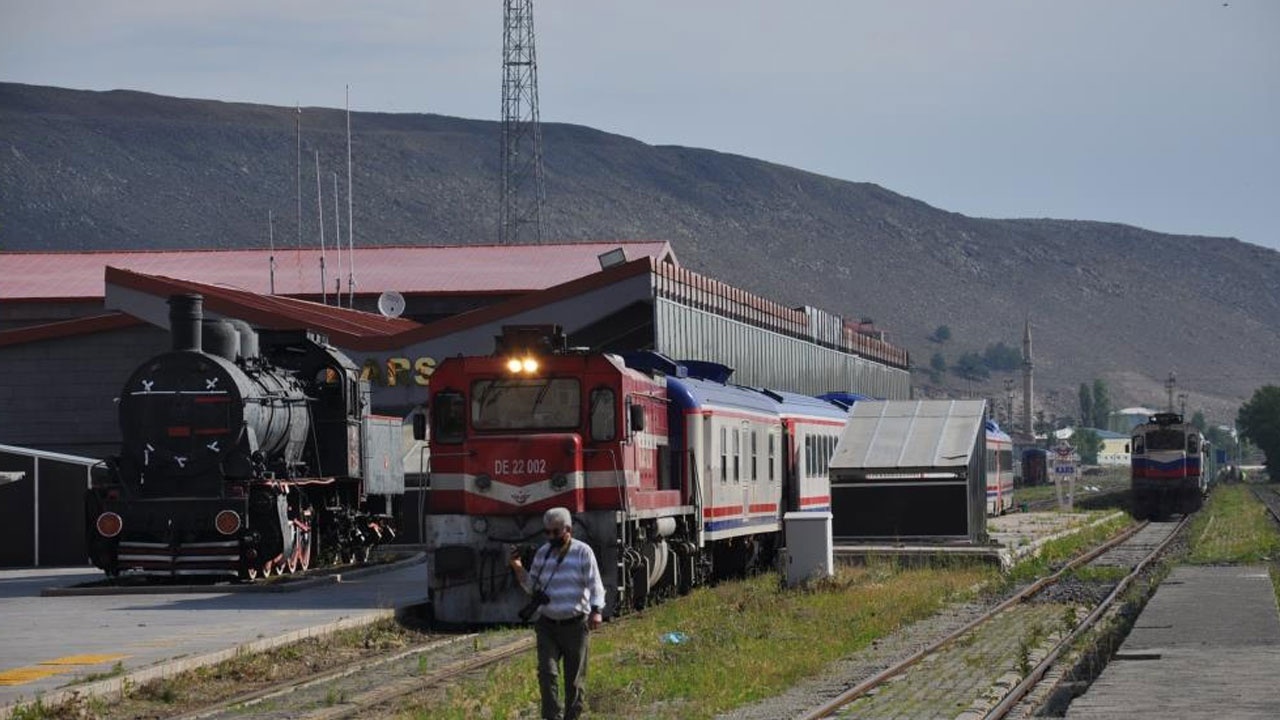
x=754, y=454
x=1193, y=444
x=604, y=412
x=771, y=455
x=737, y=455
x=724, y=454
x=449, y=416
x=1139, y=445
x=808, y=456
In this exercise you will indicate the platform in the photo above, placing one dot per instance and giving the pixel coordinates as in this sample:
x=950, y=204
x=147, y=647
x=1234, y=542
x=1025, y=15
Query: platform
x=1206, y=646
x=50, y=642
x=1013, y=537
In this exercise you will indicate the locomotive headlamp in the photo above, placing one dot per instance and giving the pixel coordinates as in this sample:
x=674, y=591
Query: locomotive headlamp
x=109, y=524
x=480, y=524
x=526, y=364
x=483, y=483
x=560, y=481
x=227, y=522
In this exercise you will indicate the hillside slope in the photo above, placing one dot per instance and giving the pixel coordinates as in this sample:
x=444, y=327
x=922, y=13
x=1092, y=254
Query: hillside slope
x=86, y=170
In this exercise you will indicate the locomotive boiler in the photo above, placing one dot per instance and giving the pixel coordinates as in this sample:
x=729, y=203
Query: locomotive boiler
x=243, y=454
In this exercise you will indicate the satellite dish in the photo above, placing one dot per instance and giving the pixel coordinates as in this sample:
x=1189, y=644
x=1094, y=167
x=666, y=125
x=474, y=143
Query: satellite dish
x=391, y=304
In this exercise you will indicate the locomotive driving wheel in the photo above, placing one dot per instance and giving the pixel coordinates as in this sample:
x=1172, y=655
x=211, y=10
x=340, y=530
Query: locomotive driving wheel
x=291, y=564
x=306, y=539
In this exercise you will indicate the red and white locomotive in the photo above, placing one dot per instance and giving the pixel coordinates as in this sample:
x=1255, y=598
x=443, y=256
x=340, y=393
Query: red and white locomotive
x=673, y=475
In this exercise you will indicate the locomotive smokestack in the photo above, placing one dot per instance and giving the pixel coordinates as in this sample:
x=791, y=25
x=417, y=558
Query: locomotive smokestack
x=185, y=314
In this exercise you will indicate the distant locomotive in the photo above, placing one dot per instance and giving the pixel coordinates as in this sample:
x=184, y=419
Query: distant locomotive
x=1035, y=467
x=240, y=462
x=1168, y=467
x=674, y=475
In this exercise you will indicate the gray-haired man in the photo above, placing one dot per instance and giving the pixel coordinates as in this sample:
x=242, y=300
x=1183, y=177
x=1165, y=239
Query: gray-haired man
x=566, y=571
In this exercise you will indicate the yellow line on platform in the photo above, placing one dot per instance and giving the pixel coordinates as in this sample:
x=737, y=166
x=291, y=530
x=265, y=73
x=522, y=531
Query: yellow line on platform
x=23, y=675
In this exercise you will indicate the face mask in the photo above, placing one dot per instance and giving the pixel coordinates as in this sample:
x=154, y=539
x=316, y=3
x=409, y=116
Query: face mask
x=557, y=541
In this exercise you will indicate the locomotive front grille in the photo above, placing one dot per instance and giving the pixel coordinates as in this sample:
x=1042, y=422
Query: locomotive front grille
x=204, y=558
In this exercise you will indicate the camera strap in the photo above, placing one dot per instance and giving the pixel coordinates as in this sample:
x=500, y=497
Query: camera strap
x=537, y=579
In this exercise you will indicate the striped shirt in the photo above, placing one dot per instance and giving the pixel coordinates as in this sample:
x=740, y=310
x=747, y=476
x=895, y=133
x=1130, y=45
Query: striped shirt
x=572, y=581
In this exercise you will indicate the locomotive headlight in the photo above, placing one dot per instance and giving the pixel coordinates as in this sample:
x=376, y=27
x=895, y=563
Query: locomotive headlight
x=109, y=524
x=227, y=522
x=483, y=483
x=530, y=365
x=560, y=481
x=480, y=524
x=514, y=365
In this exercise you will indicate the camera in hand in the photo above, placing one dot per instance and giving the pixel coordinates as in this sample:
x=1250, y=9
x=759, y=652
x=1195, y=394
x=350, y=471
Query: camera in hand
x=538, y=600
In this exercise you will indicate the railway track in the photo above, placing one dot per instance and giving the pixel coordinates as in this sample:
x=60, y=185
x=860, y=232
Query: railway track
x=359, y=688
x=988, y=666
x=1270, y=498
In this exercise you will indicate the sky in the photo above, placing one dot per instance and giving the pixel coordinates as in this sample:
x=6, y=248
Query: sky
x=1163, y=114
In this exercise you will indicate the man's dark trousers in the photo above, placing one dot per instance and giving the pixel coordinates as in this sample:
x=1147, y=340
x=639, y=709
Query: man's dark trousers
x=567, y=640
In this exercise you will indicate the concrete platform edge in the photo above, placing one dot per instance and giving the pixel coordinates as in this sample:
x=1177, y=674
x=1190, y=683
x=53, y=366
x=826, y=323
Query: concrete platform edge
x=292, y=586
x=115, y=686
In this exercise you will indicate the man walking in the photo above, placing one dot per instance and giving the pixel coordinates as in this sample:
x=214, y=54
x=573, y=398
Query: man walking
x=564, y=581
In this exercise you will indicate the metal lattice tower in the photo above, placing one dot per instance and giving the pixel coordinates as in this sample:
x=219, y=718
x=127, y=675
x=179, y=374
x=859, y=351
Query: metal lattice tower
x=522, y=189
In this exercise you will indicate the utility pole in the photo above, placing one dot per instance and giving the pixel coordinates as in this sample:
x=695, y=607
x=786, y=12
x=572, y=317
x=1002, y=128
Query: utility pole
x=1168, y=387
x=1182, y=405
x=522, y=177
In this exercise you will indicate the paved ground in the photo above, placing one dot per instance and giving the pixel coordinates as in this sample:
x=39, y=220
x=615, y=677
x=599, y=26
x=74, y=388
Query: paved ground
x=1206, y=646
x=45, y=642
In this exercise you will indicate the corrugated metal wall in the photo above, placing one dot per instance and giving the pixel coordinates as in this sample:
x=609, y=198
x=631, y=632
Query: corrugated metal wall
x=763, y=357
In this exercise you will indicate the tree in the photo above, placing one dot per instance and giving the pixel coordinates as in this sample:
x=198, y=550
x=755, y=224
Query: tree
x=1198, y=421
x=1086, y=404
x=941, y=335
x=1087, y=444
x=937, y=366
x=1101, y=404
x=1259, y=422
x=970, y=366
x=1001, y=357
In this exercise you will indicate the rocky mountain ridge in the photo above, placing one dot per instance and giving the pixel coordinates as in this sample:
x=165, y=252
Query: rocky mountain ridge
x=128, y=170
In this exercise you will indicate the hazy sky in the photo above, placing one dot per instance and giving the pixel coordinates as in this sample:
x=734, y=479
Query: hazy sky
x=1159, y=113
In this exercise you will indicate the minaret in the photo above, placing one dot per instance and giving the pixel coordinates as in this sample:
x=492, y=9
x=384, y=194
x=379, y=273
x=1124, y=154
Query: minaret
x=1027, y=384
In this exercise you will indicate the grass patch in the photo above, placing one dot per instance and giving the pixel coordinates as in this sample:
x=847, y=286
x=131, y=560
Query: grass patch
x=745, y=641
x=1057, y=552
x=1233, y=528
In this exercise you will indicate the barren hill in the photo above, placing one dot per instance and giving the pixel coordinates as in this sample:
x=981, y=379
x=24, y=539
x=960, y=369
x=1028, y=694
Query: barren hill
x=128, y=170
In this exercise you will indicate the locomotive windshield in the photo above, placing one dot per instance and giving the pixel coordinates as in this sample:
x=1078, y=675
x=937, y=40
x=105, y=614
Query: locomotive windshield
x=1166, y=439
x=526, y=404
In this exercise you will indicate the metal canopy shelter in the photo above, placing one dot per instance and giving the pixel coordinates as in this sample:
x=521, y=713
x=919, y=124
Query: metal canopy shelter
x=911, y=469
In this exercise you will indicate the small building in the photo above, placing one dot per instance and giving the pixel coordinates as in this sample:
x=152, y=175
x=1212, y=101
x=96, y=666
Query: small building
x=911, y=469
x=1115, y=448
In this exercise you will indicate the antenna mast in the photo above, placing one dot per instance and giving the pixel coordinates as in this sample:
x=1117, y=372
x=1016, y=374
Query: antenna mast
x=522, y=178
x=351, y=228
x=271, y=259
x=324, y=284
x=337, y=241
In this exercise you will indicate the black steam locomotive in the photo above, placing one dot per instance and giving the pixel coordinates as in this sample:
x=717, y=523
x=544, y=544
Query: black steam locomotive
x=243, y=454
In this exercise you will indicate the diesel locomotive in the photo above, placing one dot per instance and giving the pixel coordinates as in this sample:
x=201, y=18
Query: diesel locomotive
x=243, y=454
x=1168, y=467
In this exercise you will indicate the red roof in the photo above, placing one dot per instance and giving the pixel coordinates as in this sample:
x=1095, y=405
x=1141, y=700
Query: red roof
x=466, y=269
x=353, y=329
x=67, y=328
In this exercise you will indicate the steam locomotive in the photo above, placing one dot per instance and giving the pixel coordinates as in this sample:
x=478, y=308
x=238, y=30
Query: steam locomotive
x=243, y=454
